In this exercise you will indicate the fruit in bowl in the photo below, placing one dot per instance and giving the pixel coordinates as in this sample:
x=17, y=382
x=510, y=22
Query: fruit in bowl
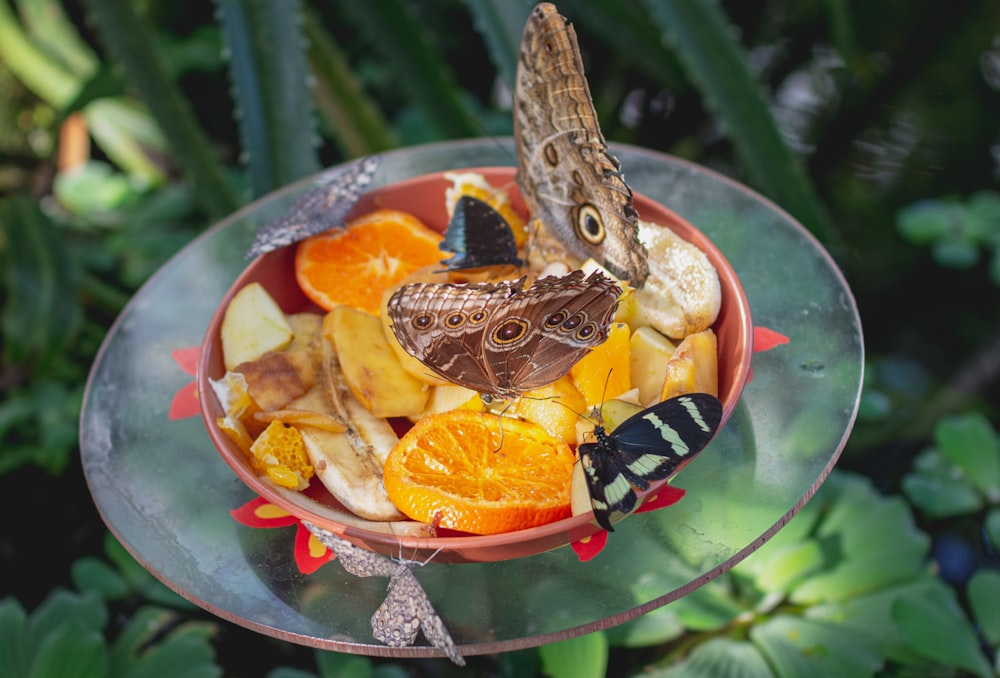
x=325, y=389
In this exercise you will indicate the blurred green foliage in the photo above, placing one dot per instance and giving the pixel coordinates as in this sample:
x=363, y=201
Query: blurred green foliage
x=128, y=128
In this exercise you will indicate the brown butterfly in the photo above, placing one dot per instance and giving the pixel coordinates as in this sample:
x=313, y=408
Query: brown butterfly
x=567, y=177
x=501, y=339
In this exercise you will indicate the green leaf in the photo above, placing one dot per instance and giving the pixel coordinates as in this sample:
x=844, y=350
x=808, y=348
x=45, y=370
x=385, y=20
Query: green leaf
x=92, y=574
x=992, y=527
x=140, y=579
x=719, y=658
x=970, y=442
x=70, y=651
x=42, y=313
x=84, y=612
x=286, y=672
x=926, y=221
x=391, y=28
x=130, y=40
x=13, y=638
x=940, y=632
x=653, y=628
x=705, y=43
x=341, y=665
x=55, y=34
x=983, y=592
x=801, y=647
x=940, y=495
x=789, y=565
x=578, y=657
x=707, y=608
x=500, y=24
x=351, y=117
x=956, y=253
x=182, y=653
x=267, y=67
x=29, y=63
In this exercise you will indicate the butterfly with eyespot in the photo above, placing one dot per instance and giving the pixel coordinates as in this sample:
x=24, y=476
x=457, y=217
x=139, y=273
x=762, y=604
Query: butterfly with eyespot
x=567, y=176
x=406, y=609
x=502, y=339
x=478, y=236
x=319, y=209
x=650, y=445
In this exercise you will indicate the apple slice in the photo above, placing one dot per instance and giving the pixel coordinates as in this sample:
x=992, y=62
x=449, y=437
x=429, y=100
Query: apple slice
x=253, y=325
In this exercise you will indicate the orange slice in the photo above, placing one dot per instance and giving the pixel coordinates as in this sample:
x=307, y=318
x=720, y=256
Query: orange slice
x=481, y=473
x=356, y=264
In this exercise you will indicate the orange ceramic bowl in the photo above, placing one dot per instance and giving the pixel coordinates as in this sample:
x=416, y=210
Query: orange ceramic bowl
x=424, y=197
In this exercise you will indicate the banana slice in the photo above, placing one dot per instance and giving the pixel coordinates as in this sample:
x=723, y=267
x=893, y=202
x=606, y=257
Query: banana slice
x=682, y=294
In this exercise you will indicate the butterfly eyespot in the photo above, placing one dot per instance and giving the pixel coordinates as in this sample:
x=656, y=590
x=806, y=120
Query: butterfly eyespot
x=573, y=322
x=549, y=47
x=589, y=225
x=551, y=155
x=510, y=331
x=423, y=321
x=555, y=320
x=454, y=320
x=586, y=332
x=478, y=317
x=577, y=178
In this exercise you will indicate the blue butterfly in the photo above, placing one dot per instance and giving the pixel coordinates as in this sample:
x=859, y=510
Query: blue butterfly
x=650, y=445
x=478, y=236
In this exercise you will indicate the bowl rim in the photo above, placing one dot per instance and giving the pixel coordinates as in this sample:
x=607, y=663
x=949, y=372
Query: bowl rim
x=462, y=547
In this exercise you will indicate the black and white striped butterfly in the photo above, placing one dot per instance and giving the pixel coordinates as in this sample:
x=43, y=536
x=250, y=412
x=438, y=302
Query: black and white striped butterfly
x=319, y=209
x=478, y=236
x=650, y=445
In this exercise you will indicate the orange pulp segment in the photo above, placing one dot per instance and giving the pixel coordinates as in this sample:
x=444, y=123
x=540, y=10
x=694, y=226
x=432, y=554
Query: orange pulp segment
x=481, y=473
x=354, y=265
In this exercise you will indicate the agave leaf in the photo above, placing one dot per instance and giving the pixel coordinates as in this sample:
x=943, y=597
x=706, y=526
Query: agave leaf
x=267, y=67
x=405, y=43
x=131, y=41
x=351, y=116
x=705, y=43
x=500, y=23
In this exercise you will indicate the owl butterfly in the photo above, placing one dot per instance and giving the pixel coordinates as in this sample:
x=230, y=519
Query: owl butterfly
x=650, y=445
x=566, y=175
x=478, y=236
x=501, y=339
x=319, y=209
x=406, y=609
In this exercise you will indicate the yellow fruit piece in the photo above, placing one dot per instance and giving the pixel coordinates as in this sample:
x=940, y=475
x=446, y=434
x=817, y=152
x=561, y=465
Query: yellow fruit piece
x=605, y=372
x=555, y=408
x=282, y=446
x=649, y=354
x=694, y=367
x=475, y=185
x=370, y=366
x=233, y=394
x=236, y=431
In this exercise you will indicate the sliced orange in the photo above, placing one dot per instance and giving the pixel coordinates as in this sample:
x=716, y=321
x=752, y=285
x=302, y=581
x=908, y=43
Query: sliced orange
x=356, y=264
x=481, y=473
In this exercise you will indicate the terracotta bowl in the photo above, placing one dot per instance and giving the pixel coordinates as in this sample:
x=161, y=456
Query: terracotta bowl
x=424, y=197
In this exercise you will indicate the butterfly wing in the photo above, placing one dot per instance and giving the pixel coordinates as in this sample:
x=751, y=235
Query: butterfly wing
x=478, y=236
x=405, y=611
x=356, y=560
x=319, y=209
x=567, y=177
x=648, y=446
x=442, y=326
x=538, y=335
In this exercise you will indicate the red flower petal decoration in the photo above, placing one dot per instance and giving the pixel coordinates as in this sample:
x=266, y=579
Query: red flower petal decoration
x=668, y=495
x=259, y=512
x=765, y=339
x=310, y=553
x=588, y=547
x=185, y=402
x=187, y=358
